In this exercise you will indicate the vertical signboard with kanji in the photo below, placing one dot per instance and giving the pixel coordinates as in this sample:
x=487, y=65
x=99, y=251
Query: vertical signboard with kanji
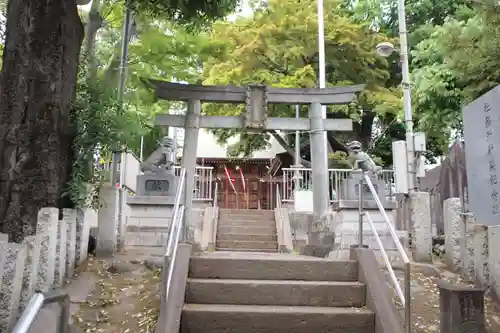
x=481, y=120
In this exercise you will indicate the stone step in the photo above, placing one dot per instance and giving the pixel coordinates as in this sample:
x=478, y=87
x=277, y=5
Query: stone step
x=246, y=212
x=246, y=229
x=216, y=318
x=246, y=217
x=242, y=244
x=147, y=228
x=276, y=267
x=248, y=237
x=222, y=249
x=223, y=222
x=275, y=292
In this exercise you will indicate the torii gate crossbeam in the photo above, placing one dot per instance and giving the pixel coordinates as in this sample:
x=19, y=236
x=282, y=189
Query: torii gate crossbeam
x=256, y=98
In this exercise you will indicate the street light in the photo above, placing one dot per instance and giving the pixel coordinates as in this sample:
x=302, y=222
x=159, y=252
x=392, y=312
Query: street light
x=385, y=49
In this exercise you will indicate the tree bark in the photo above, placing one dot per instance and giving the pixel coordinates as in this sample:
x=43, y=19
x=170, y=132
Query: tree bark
x=363, y=129
x=37, y=89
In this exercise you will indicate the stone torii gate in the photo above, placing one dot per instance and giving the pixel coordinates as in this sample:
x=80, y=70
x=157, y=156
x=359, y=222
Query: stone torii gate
x=255, y=118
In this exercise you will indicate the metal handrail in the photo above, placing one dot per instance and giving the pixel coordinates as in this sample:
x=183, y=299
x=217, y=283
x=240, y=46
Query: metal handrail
x=281, y=221
x=176, y=227
x=214, y=212
x=36, y=303
x=177, y=201
x=406, y=297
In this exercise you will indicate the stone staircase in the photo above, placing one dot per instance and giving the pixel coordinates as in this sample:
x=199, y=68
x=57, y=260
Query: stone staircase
x=235, y=292
x=246, y=230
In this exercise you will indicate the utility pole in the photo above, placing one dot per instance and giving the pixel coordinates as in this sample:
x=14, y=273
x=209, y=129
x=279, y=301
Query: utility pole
x=403, y=53
x=121, y=82
x=296, y=175
x=322, y=70
x=117, y=153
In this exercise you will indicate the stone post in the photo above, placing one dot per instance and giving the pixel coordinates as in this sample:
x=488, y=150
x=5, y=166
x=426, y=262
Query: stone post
x=11, y=285
x=60, y=266
x=107, y=234
x=467, y=253
x=494, y=257
x=33, y=245
x=69, y=215
x=421, y=226
x=4, y=240
x=82, y=236
x=452, y=208
x=47, y=228
x=481, y=267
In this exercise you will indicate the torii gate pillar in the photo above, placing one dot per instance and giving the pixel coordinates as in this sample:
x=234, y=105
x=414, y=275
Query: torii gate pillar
x=319, y=170
x=255, y=118
x=191, y=130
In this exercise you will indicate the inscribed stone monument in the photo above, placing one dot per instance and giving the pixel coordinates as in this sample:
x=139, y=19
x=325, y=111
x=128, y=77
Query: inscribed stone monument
x=481, y=120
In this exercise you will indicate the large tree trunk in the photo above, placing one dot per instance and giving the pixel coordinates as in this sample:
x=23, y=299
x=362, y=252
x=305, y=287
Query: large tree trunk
x=37, y=88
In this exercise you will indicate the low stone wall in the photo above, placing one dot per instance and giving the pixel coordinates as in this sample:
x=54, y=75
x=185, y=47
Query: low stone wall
x=43, y=261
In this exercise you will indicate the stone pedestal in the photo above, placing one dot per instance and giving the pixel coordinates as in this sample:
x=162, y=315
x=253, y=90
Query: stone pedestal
x=461, y=309
x=347, y=225
x=163, y=184
x=149, y=221
x=350, y=188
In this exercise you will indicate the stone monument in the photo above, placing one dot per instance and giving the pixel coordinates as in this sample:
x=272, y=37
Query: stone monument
x=151, y=209
x=461, y=308
x=481, y=133
x=347, y=208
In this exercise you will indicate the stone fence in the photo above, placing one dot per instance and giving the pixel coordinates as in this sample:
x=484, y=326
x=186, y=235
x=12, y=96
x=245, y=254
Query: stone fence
x=471, y=249
x=41, y=262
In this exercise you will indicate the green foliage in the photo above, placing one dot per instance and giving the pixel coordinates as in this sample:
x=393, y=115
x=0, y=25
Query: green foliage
x=277, y=46
x=188, y=12
x=99, y=121
x=454, y=65
x=338, y=160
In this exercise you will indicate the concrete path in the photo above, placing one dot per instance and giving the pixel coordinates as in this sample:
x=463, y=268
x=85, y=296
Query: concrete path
x=78, y=291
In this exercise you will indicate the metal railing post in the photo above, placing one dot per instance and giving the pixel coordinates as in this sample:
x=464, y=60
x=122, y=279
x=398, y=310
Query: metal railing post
x=63, y=326
x=361, y=213
x=407, y=297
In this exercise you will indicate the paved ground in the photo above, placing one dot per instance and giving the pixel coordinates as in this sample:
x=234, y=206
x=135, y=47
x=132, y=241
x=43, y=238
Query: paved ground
x=125, y=296
x=117, y=295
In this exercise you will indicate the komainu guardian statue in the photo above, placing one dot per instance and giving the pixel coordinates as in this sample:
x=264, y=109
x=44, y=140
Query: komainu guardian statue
x=159, y=161
x=361, y=160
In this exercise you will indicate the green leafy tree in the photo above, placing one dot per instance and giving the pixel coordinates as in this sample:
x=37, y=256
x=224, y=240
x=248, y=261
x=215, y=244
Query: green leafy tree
x=278, y=46
x=423, y=17
x=456, y=64
x=38, y=84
